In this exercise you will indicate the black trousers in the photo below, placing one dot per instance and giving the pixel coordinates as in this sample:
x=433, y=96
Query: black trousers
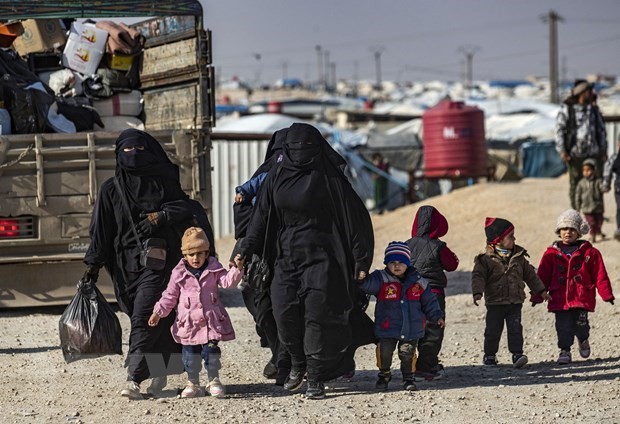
x=570, y=324
x=430, y=345
x=617, y=195
x=406, y=354
x=496, y=316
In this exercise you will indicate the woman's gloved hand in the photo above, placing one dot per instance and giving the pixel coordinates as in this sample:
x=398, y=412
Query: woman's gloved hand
x=91, y=274
x=151, y=222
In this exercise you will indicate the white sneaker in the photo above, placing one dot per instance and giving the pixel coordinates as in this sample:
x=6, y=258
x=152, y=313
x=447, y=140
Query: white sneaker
x=132, y=391
x=216, y=388
x=157, y=385
x=192, y=390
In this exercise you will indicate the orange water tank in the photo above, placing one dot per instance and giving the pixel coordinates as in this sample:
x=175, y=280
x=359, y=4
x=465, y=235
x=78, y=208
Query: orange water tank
x=454, y=141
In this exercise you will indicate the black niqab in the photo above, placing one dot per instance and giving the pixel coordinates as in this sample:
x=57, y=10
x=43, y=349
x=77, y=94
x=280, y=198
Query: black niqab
x=145, y=173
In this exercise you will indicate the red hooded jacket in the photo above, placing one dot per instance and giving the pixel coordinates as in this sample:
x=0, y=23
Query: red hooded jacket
x=572, y=281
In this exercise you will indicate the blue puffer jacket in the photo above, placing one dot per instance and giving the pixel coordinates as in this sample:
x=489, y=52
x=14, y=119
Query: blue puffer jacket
x=402, y=306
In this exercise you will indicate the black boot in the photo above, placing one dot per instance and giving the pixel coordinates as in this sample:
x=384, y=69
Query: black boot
x=295, y=379
x=270, y=371
x=383, y=380
x=315, y=390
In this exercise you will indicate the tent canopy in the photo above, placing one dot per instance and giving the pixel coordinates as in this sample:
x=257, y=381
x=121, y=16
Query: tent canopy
x=40, y=9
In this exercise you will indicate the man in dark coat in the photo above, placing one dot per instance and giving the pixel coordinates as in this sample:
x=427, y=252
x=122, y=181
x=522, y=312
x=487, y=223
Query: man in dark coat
x=144, y=196
x=323, y=240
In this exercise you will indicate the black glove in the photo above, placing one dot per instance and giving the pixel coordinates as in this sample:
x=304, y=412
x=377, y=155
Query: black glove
x=151, y=222
x=610, y=301
x=91, y=274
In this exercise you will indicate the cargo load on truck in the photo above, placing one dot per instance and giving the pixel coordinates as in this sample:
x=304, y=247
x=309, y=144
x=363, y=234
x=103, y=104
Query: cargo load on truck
x=72, y=77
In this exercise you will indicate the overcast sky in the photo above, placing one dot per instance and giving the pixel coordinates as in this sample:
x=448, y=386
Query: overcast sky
x=417, y=40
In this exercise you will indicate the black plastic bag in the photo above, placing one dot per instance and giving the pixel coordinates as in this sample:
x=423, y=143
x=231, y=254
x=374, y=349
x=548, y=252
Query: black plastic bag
x=259, y=275
x=89, y=328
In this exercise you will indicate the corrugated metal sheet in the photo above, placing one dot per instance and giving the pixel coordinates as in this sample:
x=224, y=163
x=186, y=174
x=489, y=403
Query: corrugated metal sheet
x=233, y=163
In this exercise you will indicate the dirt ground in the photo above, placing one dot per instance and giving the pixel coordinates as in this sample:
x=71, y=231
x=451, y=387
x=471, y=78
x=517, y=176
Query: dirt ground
x=36, y=386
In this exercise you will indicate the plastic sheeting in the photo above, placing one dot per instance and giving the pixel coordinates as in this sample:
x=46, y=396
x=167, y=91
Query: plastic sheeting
x=540, y=159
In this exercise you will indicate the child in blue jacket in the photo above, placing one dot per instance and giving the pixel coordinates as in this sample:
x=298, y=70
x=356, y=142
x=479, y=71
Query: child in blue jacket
x=404, y=302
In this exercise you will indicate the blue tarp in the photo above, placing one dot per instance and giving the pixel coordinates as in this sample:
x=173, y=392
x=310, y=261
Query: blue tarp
x=540, y=159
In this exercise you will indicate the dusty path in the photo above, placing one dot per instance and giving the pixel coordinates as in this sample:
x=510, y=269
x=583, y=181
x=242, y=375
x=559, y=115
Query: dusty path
x=36, y=386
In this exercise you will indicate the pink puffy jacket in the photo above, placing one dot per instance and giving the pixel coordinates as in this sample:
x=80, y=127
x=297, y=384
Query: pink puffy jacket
x=200, y=315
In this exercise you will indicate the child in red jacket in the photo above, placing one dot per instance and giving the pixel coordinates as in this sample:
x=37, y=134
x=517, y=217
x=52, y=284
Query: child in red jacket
x=573, y=270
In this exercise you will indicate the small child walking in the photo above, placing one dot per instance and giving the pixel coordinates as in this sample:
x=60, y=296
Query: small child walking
x=431, y=257
x=499, y=274
x=404, y=303
x=573, y=270
x=201, y=320
x=589, y=198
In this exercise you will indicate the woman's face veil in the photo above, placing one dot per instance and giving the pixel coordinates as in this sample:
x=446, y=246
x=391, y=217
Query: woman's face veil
x=138, y=151
x=303, y=144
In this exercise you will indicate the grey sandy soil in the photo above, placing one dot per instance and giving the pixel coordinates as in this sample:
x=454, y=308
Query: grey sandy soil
x=36, y=386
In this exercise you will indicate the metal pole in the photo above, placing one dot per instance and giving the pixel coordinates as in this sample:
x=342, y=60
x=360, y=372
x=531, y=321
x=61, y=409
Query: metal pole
x=319, y=56
x=378, y=68
x=552, y=18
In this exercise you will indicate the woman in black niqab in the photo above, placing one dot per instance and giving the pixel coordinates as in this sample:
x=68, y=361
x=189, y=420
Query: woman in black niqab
x=322, y=236
x=151, y=197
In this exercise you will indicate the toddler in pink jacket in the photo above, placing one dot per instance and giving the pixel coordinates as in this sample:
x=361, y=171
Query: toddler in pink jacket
x=201, y=321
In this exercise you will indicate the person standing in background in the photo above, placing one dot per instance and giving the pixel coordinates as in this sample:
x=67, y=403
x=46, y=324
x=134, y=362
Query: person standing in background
x=580, y=134
x=380, y=182
x=612, y=170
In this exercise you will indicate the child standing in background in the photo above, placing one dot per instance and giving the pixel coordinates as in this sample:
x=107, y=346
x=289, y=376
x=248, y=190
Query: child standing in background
x=431, y=257
x=380, y=182
x=201, y=322
x=404, y=302
x=500, y=274
x=573, y=270
x=612, y=171
x=589, y=198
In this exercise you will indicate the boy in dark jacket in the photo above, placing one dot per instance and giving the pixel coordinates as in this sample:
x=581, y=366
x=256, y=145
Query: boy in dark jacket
x=589, y=198
x=431, y=257
x=404, y=301
x=500, y=273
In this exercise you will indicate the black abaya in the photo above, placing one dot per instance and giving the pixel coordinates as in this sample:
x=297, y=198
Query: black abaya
x=323, y=237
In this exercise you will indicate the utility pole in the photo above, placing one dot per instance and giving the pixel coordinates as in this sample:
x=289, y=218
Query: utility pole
x=257, y=78
x=377, y=53
x=284, y=71
x=326, y=71
x=552, y=18
x=469, y=52
x=319, y=56
x=333, y=73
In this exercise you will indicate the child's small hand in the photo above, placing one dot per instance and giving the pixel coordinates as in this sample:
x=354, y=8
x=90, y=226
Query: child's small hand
x=238, y=198
x=545, y=296
x=153, y=320
x=239, y=261
x=361, y=275
x=477, y=298
x=441, y=323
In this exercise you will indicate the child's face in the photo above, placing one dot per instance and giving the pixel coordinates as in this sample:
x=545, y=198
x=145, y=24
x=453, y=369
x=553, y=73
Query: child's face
x=508, y=242
x=568, y=235
x=196, y=260
x=587, y=171
x=397, y=268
